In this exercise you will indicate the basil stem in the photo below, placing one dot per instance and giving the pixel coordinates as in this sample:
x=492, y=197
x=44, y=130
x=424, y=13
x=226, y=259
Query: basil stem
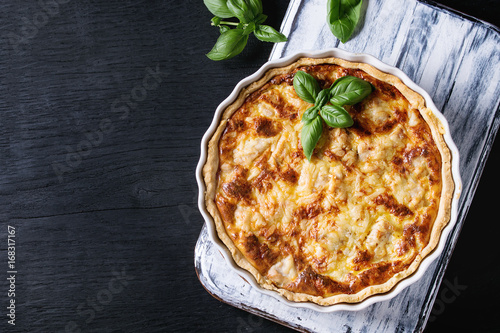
x=342, y=17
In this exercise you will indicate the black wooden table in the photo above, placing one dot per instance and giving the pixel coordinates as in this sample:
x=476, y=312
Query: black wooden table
x=103, y=106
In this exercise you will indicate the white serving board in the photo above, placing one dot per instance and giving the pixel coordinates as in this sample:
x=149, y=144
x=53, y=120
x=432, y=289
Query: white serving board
x=455, y=58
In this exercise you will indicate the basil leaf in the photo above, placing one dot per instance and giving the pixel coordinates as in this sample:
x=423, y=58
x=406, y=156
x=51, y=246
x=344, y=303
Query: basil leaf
x=310, y=114
x=218, y=8
x=306, y=86
x=260, y=19
x=266, y=33
x=336, y=116
x=249, y=28
x=216, y=21
x=241, y=10
x=342, y=17
x=310, y=135
x=322, y=98
x=229, y=44
x=224, y=28
x=255, y=6
x=349, y=90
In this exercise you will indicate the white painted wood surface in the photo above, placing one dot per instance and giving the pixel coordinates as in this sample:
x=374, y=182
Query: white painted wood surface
x=456, y=59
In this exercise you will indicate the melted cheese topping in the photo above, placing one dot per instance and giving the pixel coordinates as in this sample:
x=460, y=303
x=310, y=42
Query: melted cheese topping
x=354, y=216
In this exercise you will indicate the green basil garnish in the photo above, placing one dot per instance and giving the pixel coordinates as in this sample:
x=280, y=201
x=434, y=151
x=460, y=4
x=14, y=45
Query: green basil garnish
x=322, y=98
x=342, y=17
x=241, y=10
x=306, y=86
x=229, y=44
x=347, y=90
x=218, y=8
x=336, y=116
x=266, y=33
x=250, y=20
x=250, y=27
x=255, y=6
x=310, y=114
x=310, y=135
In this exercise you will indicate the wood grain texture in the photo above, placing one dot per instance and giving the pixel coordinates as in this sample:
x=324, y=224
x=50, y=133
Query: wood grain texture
x=124, y=203
x=109, y=245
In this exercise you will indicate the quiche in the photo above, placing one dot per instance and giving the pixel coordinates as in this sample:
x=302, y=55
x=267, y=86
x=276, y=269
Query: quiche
x=354, y=220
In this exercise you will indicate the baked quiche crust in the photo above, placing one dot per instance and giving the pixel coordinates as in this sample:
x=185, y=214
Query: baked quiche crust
x=355, y=220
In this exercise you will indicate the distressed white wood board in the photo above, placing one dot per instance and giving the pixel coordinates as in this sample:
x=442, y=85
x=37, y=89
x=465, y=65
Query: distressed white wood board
x=455, y=58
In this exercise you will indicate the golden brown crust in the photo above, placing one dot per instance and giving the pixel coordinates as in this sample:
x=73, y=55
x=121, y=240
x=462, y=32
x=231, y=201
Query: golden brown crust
x=288, y=247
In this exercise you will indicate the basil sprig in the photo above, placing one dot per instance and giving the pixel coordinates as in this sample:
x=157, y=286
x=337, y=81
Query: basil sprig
x=347, y=90
x=250, y=15
x=342, y=17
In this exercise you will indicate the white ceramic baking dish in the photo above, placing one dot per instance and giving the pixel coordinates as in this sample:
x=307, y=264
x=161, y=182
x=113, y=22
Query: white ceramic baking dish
x=353, y=57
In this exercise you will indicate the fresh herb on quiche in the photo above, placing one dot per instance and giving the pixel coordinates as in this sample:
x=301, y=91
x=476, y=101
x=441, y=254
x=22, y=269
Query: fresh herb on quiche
x=336, y=116
x=342, y=17
x=232, y=41
x=347, y=90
